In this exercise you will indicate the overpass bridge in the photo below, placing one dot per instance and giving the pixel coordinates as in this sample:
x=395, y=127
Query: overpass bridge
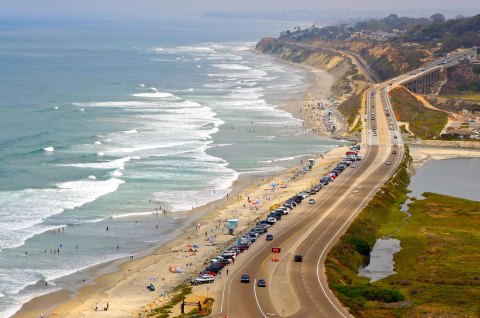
x=426, y=81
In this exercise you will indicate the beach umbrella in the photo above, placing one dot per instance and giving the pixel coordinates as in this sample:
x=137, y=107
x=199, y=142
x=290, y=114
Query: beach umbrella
x=196, y=246
x=273, y=184
x=257, y=202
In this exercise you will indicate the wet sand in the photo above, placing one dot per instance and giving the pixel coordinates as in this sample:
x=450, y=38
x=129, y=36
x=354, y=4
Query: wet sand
x=122, y=283
x=421, y=155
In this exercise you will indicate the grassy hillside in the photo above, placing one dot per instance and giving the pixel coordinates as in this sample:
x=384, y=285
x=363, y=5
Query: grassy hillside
x=424, y=123
x=436, y=269
x=379, y=218
x=350, y=108
x=423, y=39
x=462, y=80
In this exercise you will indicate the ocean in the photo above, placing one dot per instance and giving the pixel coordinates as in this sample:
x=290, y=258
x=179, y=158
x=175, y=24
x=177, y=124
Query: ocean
x=104, y=124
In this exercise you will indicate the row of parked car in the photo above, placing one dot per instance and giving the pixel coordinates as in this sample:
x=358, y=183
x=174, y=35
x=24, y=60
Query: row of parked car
x=244, y=242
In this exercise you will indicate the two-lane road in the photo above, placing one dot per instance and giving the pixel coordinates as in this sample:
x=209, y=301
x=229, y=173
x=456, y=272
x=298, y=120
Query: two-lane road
x=300, y=289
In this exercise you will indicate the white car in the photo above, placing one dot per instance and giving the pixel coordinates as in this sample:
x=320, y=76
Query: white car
x=272, y=220
x=311, y=201
x=204, y=279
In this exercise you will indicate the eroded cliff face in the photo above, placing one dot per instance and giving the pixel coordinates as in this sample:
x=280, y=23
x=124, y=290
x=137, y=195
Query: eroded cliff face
x=384, y=59
x=317, y=57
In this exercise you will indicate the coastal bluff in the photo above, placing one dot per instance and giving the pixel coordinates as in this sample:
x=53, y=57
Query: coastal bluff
x=325, y=59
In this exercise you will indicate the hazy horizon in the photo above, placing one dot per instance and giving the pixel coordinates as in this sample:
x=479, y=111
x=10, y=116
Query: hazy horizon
x=152, y=9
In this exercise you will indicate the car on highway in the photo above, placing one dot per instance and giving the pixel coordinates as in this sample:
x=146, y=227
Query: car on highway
x=389, y=163
x=394, y=152
x=298, y=258
x=261, y=283
x=311, y=201
x=353, y=166
x=245, y=278
x=395, y=137
x=269, y=237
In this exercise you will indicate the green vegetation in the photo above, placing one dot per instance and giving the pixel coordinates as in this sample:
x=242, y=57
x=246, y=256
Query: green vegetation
x=379, y=218
x=382, y=67
x=403, y=129
x=206, y=310
x=436, y=269
x=423, y=122
x=180, y=292
x=463, y=80
x=437, y=266
x=418, y=41
x=350, y=108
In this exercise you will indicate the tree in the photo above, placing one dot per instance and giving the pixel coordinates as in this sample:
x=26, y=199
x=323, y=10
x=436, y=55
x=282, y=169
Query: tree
x=438, y=17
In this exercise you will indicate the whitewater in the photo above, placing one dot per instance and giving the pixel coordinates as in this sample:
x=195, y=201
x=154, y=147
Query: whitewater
x=111, y=133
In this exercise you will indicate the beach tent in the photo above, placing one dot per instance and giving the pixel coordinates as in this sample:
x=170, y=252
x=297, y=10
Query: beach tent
x=273, y=184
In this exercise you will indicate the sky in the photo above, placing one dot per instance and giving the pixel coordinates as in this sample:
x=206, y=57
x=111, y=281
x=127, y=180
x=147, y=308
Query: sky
x=161, y=8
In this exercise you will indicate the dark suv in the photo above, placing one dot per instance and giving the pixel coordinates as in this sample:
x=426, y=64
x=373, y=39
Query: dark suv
x=245, y=278
x=298, y=258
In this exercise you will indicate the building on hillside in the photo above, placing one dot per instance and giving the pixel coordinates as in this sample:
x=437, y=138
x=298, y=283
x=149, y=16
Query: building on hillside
x=374, y=35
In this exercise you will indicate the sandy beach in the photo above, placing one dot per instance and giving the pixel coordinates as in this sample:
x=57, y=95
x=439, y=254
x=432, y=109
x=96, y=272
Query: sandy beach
x=422, y=155
x=122, y=283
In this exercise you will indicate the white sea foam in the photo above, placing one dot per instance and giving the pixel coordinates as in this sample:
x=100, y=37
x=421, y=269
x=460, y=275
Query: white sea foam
x=92, y=177
x=232, y=67
x=100, y=154
x=23, y=211
x=141, y=85
x=154, y=95
x=117, y=173
x=132, y=131
x=97, y=142
x=153, y=89
x=127, y=215
x=114, y=164
x=49, y=149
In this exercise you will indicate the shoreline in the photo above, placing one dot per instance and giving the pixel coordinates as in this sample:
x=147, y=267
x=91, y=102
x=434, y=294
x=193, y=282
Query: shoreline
x=107, y=276
x=108, y=279
x=422, y=155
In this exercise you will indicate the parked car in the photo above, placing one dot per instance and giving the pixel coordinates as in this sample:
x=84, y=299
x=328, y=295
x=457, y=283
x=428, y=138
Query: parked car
x=204, y=279
x=272, y=220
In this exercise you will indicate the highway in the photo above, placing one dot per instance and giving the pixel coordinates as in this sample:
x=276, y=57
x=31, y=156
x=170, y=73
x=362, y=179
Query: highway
x=300, y=289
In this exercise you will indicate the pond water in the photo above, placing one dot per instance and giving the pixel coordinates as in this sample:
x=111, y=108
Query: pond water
x=454, y=177
x=381, y=259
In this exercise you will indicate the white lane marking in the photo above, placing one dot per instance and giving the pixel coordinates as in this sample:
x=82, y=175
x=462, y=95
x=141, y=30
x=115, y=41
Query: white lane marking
x=308, y=213
x=336, y=234
x=256, y=298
